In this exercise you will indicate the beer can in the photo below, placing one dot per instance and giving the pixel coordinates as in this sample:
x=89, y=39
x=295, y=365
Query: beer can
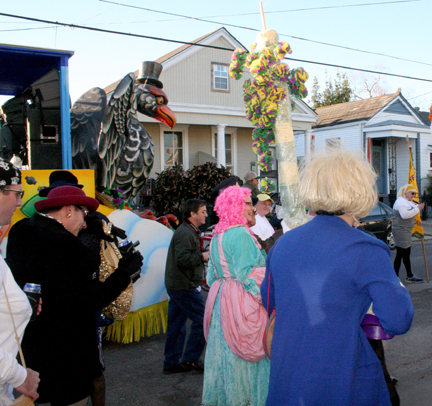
x=124, y=243
x=33, y=292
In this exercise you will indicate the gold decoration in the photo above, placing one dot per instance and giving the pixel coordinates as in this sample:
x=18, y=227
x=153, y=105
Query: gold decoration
x=110, y=257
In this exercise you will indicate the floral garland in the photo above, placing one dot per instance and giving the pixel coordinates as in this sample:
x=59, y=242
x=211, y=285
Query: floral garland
x=119, y=199
x=267, y=186
x=262, y=95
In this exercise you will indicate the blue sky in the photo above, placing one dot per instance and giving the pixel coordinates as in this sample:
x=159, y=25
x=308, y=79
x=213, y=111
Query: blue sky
x=398, y=29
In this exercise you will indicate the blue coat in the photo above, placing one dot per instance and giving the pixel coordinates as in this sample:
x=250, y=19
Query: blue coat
x=324, y=276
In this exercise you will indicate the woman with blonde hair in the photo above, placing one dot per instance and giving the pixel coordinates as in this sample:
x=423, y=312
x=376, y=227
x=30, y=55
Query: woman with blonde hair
x=405, y=211
x=324, y=276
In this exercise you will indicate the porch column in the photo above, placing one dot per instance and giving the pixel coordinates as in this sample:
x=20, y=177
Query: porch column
x=220, y=158
x=308, y=141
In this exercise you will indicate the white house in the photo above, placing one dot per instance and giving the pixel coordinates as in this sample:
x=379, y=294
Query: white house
x=379, y=127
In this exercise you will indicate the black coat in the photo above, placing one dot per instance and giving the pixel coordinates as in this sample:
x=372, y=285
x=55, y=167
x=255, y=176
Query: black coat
x=185, y=263
x=61, y=343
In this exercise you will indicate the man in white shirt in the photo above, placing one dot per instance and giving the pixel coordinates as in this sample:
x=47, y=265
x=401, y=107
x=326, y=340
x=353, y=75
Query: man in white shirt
x=24, y=380
x=263, y=228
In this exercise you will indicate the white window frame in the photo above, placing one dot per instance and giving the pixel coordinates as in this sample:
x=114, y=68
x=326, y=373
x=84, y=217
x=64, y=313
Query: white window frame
x=213, y=72
x=184, y=129
x=233, y=132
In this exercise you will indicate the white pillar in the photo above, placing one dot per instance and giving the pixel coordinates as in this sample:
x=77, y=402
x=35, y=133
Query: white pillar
x=308, y=141
x=221, y=158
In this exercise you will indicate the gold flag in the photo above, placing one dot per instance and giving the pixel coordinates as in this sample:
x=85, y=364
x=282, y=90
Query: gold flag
x=417, y=231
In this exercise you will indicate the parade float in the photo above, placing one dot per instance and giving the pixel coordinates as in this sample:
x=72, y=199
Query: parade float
x=111, y=153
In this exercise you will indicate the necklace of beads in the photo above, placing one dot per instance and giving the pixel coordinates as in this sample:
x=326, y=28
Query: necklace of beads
x=52, y=218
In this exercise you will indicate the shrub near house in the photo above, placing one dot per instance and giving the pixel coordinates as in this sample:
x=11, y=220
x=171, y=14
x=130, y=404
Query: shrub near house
x=174, y=185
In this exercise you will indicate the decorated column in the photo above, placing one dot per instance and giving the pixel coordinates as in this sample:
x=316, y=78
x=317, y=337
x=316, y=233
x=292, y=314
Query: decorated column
x=268, y=107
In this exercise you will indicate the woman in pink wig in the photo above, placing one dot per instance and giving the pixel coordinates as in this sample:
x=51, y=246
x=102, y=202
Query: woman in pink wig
x=236, y=368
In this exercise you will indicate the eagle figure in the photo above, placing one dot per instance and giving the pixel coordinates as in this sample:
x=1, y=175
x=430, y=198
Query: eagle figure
x=108, y=137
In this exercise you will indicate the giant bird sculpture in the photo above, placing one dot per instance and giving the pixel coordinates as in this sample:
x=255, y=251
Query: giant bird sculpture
x=108, y=137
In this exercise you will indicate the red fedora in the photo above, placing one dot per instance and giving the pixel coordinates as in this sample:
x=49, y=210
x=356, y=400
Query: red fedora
x=67, y=196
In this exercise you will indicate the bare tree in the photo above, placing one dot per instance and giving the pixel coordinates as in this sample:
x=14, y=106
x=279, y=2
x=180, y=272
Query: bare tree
x=366, y=85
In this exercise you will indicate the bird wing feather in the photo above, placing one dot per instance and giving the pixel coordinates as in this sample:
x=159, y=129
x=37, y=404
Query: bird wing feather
x=87, y=114
x=114, y=131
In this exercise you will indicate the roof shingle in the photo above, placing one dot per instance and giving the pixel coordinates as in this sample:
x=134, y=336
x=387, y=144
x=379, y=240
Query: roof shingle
x=348, y=112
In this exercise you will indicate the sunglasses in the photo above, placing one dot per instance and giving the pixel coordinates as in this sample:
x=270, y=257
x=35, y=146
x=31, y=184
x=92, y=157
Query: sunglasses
x=86, y=212
x=18, y=193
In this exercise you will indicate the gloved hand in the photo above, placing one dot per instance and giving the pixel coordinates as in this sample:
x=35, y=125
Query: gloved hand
x=132, y=265
x=118, y=232
x=127, y=249
x=95, y=227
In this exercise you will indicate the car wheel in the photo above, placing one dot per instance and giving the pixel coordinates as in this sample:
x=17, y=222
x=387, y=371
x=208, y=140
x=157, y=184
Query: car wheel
x=389, y=240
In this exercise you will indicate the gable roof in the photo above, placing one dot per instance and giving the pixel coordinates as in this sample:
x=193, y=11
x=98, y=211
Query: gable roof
x=425, y=117
x=348, y=112
x=176, y=52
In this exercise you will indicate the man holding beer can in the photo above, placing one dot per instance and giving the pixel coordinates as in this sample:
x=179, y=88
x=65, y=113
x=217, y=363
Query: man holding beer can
x=12, y=374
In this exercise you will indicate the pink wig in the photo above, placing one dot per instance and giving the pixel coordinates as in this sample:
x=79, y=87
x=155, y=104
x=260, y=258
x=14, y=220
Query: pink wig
x=229, y=206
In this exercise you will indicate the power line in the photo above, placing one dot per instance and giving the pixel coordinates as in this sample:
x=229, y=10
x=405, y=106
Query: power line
x=415, y=97
x=27, y=29
x=291, y=11
x=200, y=45
x=359, y=69
x=281, y=35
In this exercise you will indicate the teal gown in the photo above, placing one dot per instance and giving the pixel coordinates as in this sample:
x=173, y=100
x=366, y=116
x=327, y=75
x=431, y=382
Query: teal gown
x=229, y=379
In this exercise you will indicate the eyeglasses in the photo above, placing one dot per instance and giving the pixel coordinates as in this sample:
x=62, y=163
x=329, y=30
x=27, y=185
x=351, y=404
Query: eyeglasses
x=86, y=212
x=18, y=193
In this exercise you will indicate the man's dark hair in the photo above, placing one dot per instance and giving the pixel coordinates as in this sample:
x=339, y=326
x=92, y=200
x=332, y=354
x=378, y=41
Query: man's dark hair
x=191, y=205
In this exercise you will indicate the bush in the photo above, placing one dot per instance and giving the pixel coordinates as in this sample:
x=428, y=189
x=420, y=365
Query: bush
x=174, y=186
x=169, y=191
x=202, y=179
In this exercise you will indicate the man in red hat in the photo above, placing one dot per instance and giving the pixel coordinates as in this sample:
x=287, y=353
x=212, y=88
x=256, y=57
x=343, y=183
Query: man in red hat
x=45, y=249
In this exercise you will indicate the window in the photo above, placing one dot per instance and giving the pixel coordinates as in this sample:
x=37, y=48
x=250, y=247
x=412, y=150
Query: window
x=228, y=150
x=376, y=211
x=333, y=142
x=220, y=77
x=430, y=160
x=173, y=148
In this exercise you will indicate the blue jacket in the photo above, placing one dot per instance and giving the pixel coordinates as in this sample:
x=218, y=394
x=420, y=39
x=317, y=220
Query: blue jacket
x=324, y=276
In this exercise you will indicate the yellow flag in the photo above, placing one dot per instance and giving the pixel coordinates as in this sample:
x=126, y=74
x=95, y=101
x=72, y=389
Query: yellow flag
x=417, y=231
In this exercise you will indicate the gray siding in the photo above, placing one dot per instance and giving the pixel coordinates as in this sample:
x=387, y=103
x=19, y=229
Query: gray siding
x=245, y=155
x=199, y=140
x=397, y=108
x=190, y=80
x=349, y=135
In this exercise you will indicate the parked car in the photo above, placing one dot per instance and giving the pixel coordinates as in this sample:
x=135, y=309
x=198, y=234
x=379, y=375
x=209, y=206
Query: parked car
x=379, y=222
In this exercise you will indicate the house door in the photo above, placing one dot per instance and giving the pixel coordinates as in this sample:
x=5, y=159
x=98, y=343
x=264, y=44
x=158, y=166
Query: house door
x=378, y=164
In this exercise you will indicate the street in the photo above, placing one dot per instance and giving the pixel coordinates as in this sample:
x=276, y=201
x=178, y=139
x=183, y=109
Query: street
x=409, y=357
x=134, y=372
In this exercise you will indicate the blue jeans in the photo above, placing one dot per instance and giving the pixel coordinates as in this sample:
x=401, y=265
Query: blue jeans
x=183, y=305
